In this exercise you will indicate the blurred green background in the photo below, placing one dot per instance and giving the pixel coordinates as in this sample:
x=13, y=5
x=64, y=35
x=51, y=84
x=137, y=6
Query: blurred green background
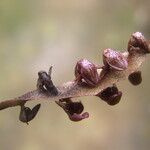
x=35, y=34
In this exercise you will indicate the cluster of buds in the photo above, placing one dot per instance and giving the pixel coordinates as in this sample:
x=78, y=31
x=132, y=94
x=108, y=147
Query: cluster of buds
x=86, y=72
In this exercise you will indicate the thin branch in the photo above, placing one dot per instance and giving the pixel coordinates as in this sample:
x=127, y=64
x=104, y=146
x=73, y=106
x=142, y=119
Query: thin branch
x=71, y=89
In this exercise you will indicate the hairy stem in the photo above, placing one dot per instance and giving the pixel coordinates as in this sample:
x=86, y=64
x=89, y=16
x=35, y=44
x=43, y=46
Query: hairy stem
x=71, y=89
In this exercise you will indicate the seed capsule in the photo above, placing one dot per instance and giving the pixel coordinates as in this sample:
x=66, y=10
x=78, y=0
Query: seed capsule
x=87, y=71
x=114, y=60
x=139, y=43
x=135, y=78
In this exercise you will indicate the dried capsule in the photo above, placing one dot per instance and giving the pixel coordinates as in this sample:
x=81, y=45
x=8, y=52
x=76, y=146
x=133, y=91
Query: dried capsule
x=135, y=78
x=114, y=60
x=139, y=43
x=45, y=83
x=26, y=114
x=87, y=71
x=111, y=95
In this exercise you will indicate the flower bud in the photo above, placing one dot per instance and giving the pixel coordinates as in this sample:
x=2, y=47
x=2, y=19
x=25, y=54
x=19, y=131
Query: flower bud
x=139, y=43
x=114, y=60
x=87, y=71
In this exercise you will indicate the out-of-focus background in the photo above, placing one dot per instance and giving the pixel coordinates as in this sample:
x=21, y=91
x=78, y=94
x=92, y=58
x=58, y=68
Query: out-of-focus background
x=35, y=34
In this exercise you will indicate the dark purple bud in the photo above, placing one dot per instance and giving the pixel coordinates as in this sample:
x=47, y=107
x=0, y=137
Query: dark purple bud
x=111, y=95
x=114, y=60
x=139, y=43
x=135, y=78
x=87, y=71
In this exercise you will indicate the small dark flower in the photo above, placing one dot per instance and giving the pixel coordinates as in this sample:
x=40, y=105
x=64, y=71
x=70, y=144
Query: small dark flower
x=139, y=43
x=87, y=71
x=73, y=109
x=26, y=114
x=135, y=78
x=111, y=95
